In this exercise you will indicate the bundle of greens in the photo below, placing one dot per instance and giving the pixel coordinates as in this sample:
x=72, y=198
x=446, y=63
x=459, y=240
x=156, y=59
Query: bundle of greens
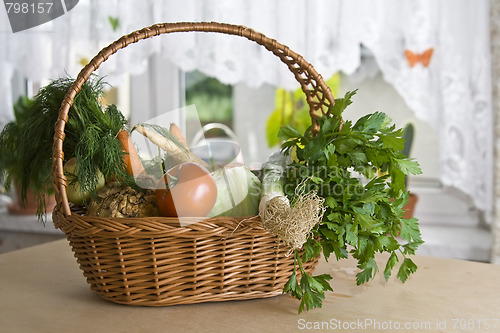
x=360, y=172
x=90, y=137
x=12, y=156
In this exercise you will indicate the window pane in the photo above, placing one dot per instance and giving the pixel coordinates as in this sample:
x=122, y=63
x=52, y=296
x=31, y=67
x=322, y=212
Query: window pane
x=212, y=99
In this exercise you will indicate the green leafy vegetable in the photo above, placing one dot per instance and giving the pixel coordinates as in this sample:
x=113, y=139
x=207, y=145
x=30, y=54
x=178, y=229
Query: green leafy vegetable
x=360, y=171
x=90, y=136
x=310, y=290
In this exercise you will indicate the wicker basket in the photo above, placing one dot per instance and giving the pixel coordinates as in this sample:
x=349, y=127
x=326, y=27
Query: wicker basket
x=153, y=261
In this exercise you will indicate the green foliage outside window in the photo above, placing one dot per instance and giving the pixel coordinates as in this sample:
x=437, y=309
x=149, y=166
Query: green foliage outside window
x=213, y=99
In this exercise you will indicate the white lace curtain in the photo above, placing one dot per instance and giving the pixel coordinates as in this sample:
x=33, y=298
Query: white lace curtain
x=435, y=54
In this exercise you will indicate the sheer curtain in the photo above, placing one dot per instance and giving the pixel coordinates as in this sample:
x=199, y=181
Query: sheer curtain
x=435, y=54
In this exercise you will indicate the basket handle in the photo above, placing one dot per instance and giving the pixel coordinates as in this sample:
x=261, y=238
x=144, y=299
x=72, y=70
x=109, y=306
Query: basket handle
x=318, y=94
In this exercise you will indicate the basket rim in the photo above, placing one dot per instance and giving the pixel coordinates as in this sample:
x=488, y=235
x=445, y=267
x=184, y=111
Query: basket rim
x=222, y=226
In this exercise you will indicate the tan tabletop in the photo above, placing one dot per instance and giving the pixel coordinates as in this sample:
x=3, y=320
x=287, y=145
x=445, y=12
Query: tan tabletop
x=43, y=290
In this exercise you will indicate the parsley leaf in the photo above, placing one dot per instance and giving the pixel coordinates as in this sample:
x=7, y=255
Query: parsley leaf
x=369, y=269
x=407, y=268
x=341, y=104
x=310, y=290
x=410, y=230
x=408, y=166
x=391, y=263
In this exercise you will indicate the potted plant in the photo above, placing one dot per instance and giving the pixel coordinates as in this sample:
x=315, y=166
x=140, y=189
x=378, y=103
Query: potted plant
x=33, y=189
x=408, y=134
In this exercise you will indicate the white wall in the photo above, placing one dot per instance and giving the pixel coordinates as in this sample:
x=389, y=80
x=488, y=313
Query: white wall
x=252, y=107
x=375, y=94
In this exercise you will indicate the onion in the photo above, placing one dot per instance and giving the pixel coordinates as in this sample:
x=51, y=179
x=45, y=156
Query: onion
x=186, y=190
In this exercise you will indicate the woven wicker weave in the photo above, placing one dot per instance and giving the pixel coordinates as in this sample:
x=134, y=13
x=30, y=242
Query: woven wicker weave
x=153, y=261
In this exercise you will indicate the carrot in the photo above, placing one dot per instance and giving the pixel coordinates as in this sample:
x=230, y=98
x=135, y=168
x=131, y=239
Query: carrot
x=131, y=157
x=176, y=131
x=178, y=154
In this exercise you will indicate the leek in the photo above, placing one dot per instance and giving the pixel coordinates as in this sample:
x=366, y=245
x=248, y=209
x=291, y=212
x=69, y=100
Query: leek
x=272, y=182
x=291, y=221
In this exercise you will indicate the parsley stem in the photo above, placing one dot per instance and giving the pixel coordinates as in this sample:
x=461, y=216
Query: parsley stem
x=299, y=260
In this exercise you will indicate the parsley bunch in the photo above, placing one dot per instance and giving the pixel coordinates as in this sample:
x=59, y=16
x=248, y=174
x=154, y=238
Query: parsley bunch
x=360, y=171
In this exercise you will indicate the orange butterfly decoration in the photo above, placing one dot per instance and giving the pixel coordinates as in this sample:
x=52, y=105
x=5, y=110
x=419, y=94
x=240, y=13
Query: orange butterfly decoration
x=424, y=58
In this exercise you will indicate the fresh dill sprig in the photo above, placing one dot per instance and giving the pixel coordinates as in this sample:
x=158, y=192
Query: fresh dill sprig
x=90, y=136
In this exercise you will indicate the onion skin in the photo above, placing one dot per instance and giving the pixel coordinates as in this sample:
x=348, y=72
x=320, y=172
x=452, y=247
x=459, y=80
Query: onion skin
x=74, y=191
x=192, y=191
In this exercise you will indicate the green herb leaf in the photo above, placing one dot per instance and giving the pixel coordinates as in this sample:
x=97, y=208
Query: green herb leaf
x=293, y=287
x=411, y=247
x=312, y=249
x=372, y=123
x=287, y=132
x=393, y=141
x=407, y=268
x=342, y=103
x=410, y=230
x=369, y=269
x=391, y=263
x=408, y=166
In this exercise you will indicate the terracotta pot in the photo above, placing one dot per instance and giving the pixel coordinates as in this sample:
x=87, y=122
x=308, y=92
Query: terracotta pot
x=410, y=206
x=30, y=206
